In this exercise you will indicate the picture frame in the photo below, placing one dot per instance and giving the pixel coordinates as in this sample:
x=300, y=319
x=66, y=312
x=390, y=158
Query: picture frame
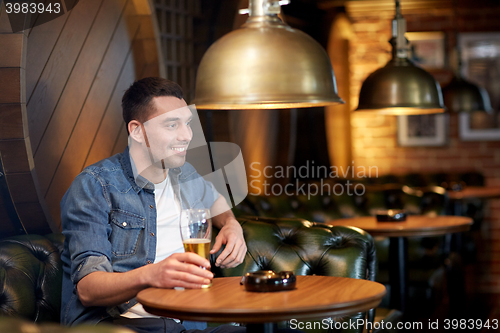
x=427, y=49
x=480, y=56
x=468, y=132
x=423, y=130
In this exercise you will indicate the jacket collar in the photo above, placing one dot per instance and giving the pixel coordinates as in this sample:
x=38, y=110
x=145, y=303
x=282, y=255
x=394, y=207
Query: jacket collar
x=137, y=181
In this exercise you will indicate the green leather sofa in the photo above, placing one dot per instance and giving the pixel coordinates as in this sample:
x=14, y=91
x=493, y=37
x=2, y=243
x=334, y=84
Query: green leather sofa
x=30, y=265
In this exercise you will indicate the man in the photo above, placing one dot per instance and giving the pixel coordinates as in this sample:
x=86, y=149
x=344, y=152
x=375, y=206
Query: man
x=120, y=218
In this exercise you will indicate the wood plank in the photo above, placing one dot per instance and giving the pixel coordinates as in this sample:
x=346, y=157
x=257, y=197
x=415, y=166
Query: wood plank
x=57, y=70
x=82, y=136
x=150, y=50
x=22, y=187
x=4, y=20
x=139, y=56
x=113, y=120
x=142, y=7
x=15, y=156
x=121, y=142
x=147, y=29
x=5, y=27
x=32, y=216
x=11, y=51
x=12, y=85
x=41, y=42
x=6, y=227
x=76, y=92
x=150, y=70
x=12, y=120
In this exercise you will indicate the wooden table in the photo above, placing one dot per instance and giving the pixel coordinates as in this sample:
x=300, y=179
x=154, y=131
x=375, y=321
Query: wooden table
x=228, y=301
x=471, y=192
x=480, y=192
x=414, y=226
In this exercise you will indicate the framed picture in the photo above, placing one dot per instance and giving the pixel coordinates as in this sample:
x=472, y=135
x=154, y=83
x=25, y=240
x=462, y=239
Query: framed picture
x=477, y=127
x=423, y=130
x=480, y=55
x=427, y=49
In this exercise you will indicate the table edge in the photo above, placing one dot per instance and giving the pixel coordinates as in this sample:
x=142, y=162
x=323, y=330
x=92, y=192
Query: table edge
x=265, y=315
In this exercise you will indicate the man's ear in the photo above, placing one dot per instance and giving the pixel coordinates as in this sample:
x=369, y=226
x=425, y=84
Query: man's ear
x=135, y=130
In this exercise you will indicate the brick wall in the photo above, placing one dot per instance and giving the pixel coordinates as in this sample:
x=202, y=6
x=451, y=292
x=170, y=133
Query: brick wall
x=374, y=137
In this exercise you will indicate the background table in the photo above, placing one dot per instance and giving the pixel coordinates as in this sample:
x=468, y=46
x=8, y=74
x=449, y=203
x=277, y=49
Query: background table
x=420, y=225
x=228, y=301
x=480, y=192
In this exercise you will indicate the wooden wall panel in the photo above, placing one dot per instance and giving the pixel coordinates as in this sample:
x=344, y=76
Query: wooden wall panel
x=22, y=187
x=112, y=121
x=15, y=156
x=29, y=213
x=77, y=89
x=85, y=130
x=77, y=68
x=4, y=21
x=8, y=229
x=11, y=57
x=121, y=141
x=12, y=118
x=12, y=85
x=58, y=68
x=42, y=41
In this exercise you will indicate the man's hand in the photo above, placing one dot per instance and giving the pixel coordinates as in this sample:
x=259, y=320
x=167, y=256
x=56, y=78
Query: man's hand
x=231, y=234
x=112, y=288
x=181, y=270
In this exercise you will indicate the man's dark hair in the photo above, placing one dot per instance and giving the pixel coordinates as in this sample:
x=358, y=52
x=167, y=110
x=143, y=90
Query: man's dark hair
x=136, y=102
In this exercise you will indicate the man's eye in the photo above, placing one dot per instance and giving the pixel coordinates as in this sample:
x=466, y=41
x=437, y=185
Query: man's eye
x=172, y=125
x=188, y=123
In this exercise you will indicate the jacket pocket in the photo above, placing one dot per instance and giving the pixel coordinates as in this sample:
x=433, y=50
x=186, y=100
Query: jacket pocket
x=126, y=228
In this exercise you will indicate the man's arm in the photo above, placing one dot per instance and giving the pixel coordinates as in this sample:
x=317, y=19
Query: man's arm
x=231, y=234
x=85, y=221
x=111, y=288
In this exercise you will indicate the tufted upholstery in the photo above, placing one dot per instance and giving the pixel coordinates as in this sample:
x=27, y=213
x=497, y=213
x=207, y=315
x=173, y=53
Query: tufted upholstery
x=426, y=254
x=305, y=248
x=30, y=265
x=31, y=277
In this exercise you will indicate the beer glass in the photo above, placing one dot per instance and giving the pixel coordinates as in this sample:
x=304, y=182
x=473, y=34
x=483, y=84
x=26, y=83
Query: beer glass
x=196, y=232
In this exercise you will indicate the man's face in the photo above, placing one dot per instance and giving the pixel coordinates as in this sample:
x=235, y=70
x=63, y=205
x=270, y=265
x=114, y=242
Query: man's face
x=168, y=132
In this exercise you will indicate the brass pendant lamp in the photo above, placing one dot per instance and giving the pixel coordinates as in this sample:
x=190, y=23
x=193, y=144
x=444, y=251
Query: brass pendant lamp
x=464, y=96
x=461, y=95
x=265, y=64
x=400, y=88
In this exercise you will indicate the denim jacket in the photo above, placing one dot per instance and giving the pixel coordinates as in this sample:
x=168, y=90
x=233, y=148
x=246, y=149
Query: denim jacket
x=109, y=222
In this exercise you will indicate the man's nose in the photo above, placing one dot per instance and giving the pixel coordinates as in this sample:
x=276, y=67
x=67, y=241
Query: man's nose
x=185, y=133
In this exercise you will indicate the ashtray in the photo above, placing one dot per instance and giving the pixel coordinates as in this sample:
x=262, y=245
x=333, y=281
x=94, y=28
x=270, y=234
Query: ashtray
x=391, y=215
x=266, y=281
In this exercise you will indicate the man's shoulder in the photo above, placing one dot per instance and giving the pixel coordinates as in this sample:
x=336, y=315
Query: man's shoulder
x=110, y=164
x=188, y=172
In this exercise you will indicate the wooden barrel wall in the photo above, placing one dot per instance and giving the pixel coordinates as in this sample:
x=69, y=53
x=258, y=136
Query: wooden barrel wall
x=61, y=85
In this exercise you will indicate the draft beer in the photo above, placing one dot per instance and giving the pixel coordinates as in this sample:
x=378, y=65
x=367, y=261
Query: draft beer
x=199, y=246
x=196, y=232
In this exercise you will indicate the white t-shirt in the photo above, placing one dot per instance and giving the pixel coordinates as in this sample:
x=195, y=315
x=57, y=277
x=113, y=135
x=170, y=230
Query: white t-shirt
x=168, y=235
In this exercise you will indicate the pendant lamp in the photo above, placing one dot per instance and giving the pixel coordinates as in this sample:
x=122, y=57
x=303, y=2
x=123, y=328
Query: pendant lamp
x=464, y=96
x=400, y=88
x=461, y=95
x=265, y=64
